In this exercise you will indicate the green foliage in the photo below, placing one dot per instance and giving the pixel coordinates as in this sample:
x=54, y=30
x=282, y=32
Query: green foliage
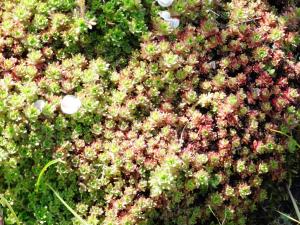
x=111, y=29
x=293, y=145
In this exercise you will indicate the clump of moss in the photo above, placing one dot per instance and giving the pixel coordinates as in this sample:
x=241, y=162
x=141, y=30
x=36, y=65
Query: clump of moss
x=63, y=28
x=200, y=113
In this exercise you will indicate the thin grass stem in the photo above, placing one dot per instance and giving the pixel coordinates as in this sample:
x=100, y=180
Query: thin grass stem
x=37, y=185
x=289, y=217
x=4, y=202
x=294, y=202
x=82, y=221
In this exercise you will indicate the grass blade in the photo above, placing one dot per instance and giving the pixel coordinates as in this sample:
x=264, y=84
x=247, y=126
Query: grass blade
x=37, y=185
x=4, y=202
x=1, y=215
x=214, y=215
x=287, y=216
x=82, y=221
x=280, y=132
x=294, y=203
x=289, y=136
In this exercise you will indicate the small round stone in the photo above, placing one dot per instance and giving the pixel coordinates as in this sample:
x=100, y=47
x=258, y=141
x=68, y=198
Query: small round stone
x=173, y=22
x=39, y=104
x=165, y=3
x=70, y=104
x=165, y=15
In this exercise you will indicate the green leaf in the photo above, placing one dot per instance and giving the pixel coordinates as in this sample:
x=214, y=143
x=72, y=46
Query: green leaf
x=292, y=145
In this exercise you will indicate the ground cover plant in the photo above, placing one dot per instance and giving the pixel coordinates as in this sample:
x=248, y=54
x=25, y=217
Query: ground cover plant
x=62, y=28
x=181, y=117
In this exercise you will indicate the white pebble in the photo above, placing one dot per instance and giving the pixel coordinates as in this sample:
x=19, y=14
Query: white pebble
x=70, y=104
x=173, y=22
x=165, y=15
x=39, y=104
x=213, y=64
x=165, y=3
